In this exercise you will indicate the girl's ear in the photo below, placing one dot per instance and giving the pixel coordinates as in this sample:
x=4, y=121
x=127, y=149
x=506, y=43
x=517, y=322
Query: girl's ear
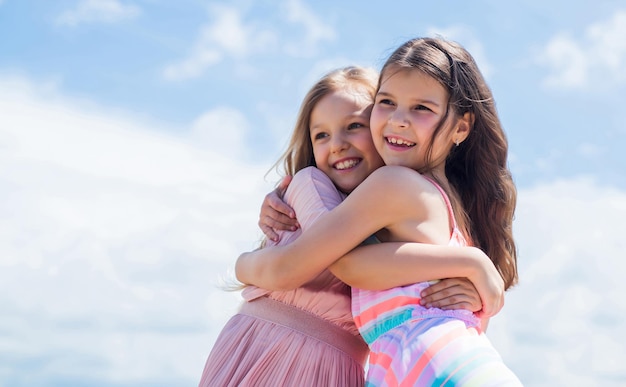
x=463, y=128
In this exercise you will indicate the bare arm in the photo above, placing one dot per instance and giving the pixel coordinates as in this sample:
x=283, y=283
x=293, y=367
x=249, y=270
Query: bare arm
x=453, y=293
x=407, y=263
x=334, y=233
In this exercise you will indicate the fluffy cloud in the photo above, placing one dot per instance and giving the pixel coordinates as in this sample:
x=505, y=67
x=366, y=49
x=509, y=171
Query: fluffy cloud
x=226, y=35
x=563, y=323
x=114, y=239
x=113, y=243
x=221, y=130
x=103, y=11
x=599, y=55
x=231, y=34
x=315, y=29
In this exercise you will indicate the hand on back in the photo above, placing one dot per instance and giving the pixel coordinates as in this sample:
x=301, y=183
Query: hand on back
x=275, y=214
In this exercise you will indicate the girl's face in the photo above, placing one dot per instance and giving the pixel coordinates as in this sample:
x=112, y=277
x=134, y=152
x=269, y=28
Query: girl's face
x=408, y=107
x=341, y=138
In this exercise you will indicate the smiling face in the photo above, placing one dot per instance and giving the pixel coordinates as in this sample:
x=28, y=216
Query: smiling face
x=408, y=108
x=341, y=138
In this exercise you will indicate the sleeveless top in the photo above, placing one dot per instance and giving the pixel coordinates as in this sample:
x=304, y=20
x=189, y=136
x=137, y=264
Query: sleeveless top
x=376, y=312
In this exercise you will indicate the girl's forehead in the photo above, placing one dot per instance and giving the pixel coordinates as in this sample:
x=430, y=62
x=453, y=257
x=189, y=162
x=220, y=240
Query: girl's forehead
x=403, y=72
x=356, y=93
x=412, y=82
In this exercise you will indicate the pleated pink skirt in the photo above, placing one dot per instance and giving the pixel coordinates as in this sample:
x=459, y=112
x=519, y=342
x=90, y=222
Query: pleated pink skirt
x=269, y=343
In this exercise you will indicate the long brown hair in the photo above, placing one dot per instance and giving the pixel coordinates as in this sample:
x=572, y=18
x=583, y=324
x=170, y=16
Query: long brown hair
x=299, y=153
x=484, y=195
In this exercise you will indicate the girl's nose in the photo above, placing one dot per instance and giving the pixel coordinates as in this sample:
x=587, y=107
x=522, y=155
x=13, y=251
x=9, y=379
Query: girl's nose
x=399, y=118
x=339, y=144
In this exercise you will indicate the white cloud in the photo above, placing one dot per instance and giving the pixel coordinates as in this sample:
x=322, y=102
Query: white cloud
x=563, y=323
x=226, y=36
x=113, y=238
x=230, y=34
x=315, y=29
x=221, y=130
x=104, y=11
x=589, y=150
x=598, y=56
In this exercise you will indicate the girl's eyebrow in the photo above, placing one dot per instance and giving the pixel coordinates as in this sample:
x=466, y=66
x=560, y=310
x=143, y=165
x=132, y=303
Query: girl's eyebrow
x=420, y=100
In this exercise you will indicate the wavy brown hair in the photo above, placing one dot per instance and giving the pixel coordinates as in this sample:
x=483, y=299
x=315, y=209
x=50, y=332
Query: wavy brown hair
x=484, y=195
x=299, y=153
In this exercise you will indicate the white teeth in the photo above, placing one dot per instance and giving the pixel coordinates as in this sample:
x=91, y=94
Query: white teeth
x=346, y=164
x=399, y=141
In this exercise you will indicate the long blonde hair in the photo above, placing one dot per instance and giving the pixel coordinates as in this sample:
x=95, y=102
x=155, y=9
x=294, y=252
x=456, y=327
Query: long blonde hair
x=299, y=153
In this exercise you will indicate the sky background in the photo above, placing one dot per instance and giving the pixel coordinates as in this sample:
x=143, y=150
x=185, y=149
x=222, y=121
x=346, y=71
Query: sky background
x=135, y=137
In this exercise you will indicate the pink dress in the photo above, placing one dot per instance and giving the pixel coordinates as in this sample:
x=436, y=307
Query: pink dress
x=414, y=346
x=303, y=337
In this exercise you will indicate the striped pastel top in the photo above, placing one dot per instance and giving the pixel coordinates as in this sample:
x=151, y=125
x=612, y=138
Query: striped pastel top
x=376, y=312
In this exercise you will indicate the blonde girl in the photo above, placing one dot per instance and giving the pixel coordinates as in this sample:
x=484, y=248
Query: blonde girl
x=306, y=336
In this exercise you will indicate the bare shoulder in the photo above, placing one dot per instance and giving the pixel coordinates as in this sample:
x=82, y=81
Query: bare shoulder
x=395, y=186
x=398, y=178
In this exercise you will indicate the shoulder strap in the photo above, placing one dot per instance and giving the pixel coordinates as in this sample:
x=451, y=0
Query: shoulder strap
x=446, y=199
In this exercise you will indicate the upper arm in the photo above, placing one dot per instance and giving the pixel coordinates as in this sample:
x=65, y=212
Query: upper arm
x=381, y=200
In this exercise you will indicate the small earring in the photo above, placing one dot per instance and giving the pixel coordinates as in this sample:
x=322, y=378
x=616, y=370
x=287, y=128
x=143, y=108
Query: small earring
x=457, y=142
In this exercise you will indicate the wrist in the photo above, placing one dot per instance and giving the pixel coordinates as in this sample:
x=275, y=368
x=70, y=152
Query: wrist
x=478, y=262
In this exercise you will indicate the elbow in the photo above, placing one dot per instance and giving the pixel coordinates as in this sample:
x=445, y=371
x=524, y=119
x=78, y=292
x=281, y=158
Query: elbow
x=278, y=273
x=240, y=272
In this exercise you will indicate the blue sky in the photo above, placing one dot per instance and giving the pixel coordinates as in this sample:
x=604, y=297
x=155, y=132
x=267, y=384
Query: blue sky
x=135, y=137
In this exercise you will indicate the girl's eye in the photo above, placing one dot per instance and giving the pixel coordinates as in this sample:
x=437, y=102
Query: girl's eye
x=385, y=101
x=355, y=125
x=319, y=136
x=422, y=107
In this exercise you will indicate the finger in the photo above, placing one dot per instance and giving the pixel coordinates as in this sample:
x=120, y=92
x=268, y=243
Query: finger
x=450, y=298
x=269, y=232
x=438, y=291
x=453, y=296
x=277, y=223
x=277, y=204
x=451, y=303
x=440, y=286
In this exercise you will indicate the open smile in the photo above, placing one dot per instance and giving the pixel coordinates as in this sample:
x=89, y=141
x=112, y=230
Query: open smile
x=346, y=164
x=399, y=142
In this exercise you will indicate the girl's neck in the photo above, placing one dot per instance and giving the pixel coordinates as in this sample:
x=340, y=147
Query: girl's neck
x=439, y=175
